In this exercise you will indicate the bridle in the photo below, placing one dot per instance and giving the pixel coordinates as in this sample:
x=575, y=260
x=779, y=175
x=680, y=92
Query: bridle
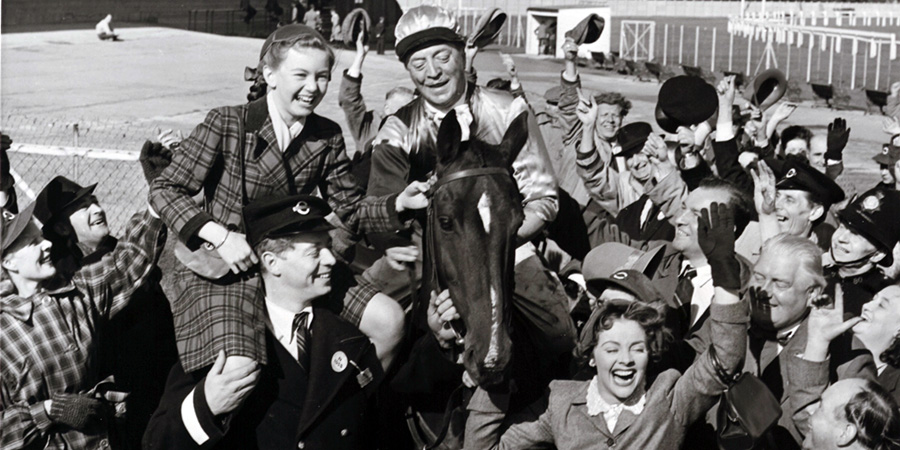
x=457, y=325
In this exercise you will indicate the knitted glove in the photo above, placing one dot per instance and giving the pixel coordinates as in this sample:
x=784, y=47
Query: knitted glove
x=716, y=235
x=75, y=410
x=838, y=135
x=154, y=159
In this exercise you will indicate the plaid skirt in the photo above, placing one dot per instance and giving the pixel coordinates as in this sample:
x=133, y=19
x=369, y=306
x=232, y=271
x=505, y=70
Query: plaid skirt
x=230, y=315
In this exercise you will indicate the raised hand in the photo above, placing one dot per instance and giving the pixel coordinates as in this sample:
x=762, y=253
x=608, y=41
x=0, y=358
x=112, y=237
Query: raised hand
x=570, y=48
x=763, y=188
x=782, y=112
x=838, y=135
x=890, y=125
x=509, y=64
x=587, y=109
x=361, y=47
x=716, y=236
x=725, y=90
x=826, y=323
x=154, y=159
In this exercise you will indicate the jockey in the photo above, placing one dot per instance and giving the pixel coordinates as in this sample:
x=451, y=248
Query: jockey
x=432, y=50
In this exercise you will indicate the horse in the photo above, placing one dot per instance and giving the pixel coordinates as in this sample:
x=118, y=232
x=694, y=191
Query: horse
x=475, y=213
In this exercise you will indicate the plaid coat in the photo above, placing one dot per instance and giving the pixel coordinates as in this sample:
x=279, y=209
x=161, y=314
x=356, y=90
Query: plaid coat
x=213, y=316
x=47, y=341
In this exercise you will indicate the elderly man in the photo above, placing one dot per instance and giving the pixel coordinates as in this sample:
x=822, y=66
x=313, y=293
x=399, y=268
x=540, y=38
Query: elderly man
x=854, y=414
x=50, y=381
x=315, y=391
x=140, y=347
x=785, y=280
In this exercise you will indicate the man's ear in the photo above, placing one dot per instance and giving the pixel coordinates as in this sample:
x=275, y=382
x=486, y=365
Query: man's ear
x=816, y=212
x=877, y=256
x=847, y=436
x=270, y=261
x=8, y=264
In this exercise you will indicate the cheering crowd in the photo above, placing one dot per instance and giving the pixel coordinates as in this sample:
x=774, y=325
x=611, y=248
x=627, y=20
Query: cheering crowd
x=711, y=286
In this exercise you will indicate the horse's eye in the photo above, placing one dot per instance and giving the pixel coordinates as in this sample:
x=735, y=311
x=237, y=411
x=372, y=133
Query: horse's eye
x=446, y=223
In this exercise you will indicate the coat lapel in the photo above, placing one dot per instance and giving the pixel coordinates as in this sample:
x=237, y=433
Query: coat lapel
x=324, y=381
x=579, y=405
x=626, y=419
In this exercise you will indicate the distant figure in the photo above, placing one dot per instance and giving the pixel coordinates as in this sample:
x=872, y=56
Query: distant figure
x=335, y=27
x=543, y=37
x=104, y=29
x=379, y=35
x=313, y=19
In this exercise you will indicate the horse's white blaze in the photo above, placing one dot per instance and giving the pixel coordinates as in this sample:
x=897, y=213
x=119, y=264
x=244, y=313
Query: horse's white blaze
x=484, y=210
x=493, y=354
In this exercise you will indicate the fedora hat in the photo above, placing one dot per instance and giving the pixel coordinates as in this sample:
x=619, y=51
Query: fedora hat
x=588, y=30
x=60, y=198
x=487, y=28
x=632, y=137
x=356, y=22
x=684, y=101
x=768, y=87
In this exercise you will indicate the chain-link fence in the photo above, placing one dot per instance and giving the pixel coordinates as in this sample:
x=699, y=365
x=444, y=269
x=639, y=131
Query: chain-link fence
x=87, y=152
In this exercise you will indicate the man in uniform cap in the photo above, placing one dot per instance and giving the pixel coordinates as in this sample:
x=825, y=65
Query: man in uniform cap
x=51, y=323
x=887, y=161
x=315, y=391
x=864, y=240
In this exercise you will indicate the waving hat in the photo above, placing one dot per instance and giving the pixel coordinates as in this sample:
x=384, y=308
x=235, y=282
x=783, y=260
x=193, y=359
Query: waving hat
x=424, y=26
x=684, y=101
x=356, y=22
x=487, y=28
x=588, y=30
x=768, y=87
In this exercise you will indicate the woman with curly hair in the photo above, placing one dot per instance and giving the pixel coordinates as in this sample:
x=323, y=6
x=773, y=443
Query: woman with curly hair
x=616, y=409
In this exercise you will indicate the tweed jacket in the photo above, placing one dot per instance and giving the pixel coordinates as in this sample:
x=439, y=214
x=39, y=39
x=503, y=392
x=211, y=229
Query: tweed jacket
x=325, y=408
x=403, y=150
x=673, y=403
x=50, y=340
x=208, y=160
x=218, y=316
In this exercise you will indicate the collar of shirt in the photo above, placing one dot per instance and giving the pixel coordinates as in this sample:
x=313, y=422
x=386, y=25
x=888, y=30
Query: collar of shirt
x=463, y=115
x=782, y=337
x=21, y=308
x=282, y=323
x=283, y=133
x=596, y=405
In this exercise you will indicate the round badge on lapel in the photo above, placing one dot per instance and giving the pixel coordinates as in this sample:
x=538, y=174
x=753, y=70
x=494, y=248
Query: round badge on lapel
x=791, y=173
x=338, y=361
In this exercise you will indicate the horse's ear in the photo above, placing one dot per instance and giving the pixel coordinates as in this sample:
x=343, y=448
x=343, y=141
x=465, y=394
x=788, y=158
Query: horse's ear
x=448, y=138
x=515, y=137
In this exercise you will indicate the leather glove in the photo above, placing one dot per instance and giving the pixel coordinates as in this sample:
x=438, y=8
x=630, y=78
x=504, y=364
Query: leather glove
x=716, y=235
x=76, y=411
x=838, y=135
x=154, y=159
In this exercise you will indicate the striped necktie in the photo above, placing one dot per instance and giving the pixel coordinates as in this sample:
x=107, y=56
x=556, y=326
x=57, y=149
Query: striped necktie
x=301, y=335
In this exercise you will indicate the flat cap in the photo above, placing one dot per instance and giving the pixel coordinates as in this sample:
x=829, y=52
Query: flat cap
x=632, y=137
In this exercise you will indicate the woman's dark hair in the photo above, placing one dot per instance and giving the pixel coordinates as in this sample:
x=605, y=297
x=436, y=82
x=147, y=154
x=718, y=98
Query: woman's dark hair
x=891, y=355
x=876, y=416
x=795, y=132
x=650, y=318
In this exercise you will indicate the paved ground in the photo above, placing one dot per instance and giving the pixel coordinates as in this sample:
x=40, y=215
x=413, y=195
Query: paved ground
x=163, y=77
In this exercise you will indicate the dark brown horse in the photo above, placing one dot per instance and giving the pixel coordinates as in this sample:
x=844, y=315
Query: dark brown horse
x=475, y=213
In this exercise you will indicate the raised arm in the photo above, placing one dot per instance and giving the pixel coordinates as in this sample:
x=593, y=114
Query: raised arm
x=698, y=389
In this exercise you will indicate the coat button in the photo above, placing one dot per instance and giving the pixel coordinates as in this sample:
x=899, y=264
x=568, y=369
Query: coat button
x=611, y=442
x=104, y=444
x=301, y=444
x=344, y=432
